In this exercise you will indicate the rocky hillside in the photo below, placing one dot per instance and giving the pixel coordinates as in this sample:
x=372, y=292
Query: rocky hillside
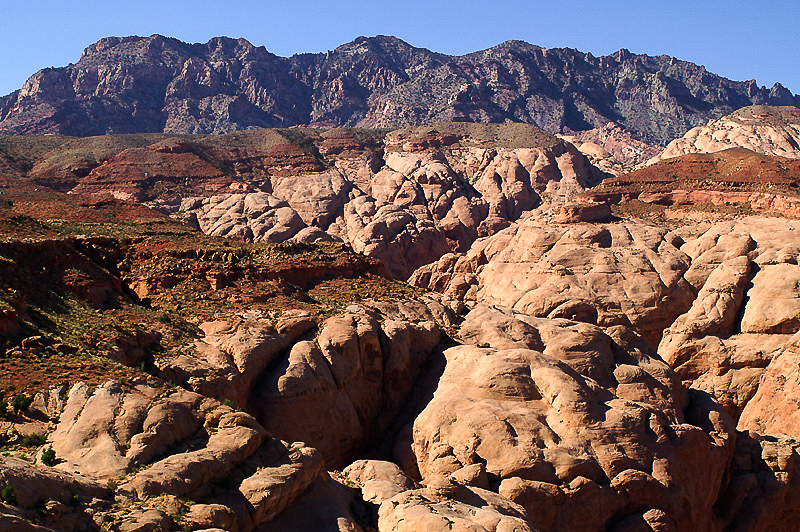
x=612, y=148
x=747, y=161
x=159, y=84
x=763, y=129
x=405, y=197
x=556, y=364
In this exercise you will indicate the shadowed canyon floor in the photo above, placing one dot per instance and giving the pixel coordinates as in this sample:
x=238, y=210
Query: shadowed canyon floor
x=213, y=333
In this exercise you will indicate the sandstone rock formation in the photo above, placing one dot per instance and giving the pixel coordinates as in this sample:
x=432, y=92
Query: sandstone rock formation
x=576, y=426
x=436, y=189
x=154, y=84
x=464, y=509
x=161, y=446
x=612, y=149
x=608, y=274
x=767, y=130
x=356, y=373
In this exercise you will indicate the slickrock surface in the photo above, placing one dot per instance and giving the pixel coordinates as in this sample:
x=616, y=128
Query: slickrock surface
x=608, y=274
x=773, y=408
x=471, y=509
x=745, y=310
x=435, y=190
x=586, y=369
x=354, y=376
x=762, y=129
x=405, y=197
x=566, y=417
x=156, y=444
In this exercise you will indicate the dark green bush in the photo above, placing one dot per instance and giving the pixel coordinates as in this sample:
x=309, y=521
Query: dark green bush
x=8, y=495
x=21, y=402
x=49, y=456
x=34, y=440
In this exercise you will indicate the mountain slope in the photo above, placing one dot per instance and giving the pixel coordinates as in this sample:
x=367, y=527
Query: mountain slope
x=763, y=129
x=159, y=84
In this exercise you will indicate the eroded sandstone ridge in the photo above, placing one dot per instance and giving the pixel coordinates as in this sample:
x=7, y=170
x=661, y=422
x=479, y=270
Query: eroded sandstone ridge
x=405, y=197
x=565, y=358
x=768, y=130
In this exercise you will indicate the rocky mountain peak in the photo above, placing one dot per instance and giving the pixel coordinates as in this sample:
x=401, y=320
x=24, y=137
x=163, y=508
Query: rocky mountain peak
x=159, y=84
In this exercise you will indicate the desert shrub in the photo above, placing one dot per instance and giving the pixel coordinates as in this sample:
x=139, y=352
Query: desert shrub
x=8, y=495
x=21, y=402
x=49, y=456
x=34, y=440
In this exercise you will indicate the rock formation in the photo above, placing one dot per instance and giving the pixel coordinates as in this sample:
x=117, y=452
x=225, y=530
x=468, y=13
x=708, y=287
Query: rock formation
x=586, y=368
x=612, y=149
x=159, y=84
x=767, y=130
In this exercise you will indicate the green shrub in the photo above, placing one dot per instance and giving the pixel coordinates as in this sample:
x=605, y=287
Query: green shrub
x=3, y=408
x=8, y=495
x=49, y=456
x=21, y=402
x=34, y=440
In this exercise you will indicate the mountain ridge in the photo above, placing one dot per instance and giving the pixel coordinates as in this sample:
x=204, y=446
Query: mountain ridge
x=161, y=84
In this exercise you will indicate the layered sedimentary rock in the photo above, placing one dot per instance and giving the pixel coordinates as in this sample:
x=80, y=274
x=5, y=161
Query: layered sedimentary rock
x=608, y=274
x=435, y=190
x=356, y=373
x=138, y=441
x=612, y=149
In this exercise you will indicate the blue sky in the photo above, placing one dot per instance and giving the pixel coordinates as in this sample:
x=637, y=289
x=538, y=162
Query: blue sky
x=736, y=39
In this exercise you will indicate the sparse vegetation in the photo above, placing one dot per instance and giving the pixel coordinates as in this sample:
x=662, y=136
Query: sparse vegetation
x=21, y=402
x=8, y=495
x=34, y=440
x=49, y=456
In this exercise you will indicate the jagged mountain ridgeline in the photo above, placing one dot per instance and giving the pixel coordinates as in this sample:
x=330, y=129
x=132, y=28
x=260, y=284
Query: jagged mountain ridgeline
x=591, y=327
x=159, y=84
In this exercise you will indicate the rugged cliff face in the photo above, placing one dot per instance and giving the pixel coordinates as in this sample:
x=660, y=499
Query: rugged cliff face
x=158, y=84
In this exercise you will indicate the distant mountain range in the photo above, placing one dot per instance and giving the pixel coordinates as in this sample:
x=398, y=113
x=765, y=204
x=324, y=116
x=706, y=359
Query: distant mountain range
x=160, y=84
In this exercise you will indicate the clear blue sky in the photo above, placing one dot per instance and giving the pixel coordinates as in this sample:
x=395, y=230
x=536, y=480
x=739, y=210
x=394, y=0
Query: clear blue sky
x=736, y=39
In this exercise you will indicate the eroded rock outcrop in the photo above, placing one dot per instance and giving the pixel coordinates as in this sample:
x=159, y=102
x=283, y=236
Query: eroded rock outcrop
x=567, y=417
x=612, y=149
x=355, y=376
x=462, y=508
x=609, y=274
x=435, y=190
x=762, y=129
x=745, y=310
x=153, y=441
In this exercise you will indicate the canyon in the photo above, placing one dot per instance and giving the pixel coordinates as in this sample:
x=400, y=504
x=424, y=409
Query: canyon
x=465, y=326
